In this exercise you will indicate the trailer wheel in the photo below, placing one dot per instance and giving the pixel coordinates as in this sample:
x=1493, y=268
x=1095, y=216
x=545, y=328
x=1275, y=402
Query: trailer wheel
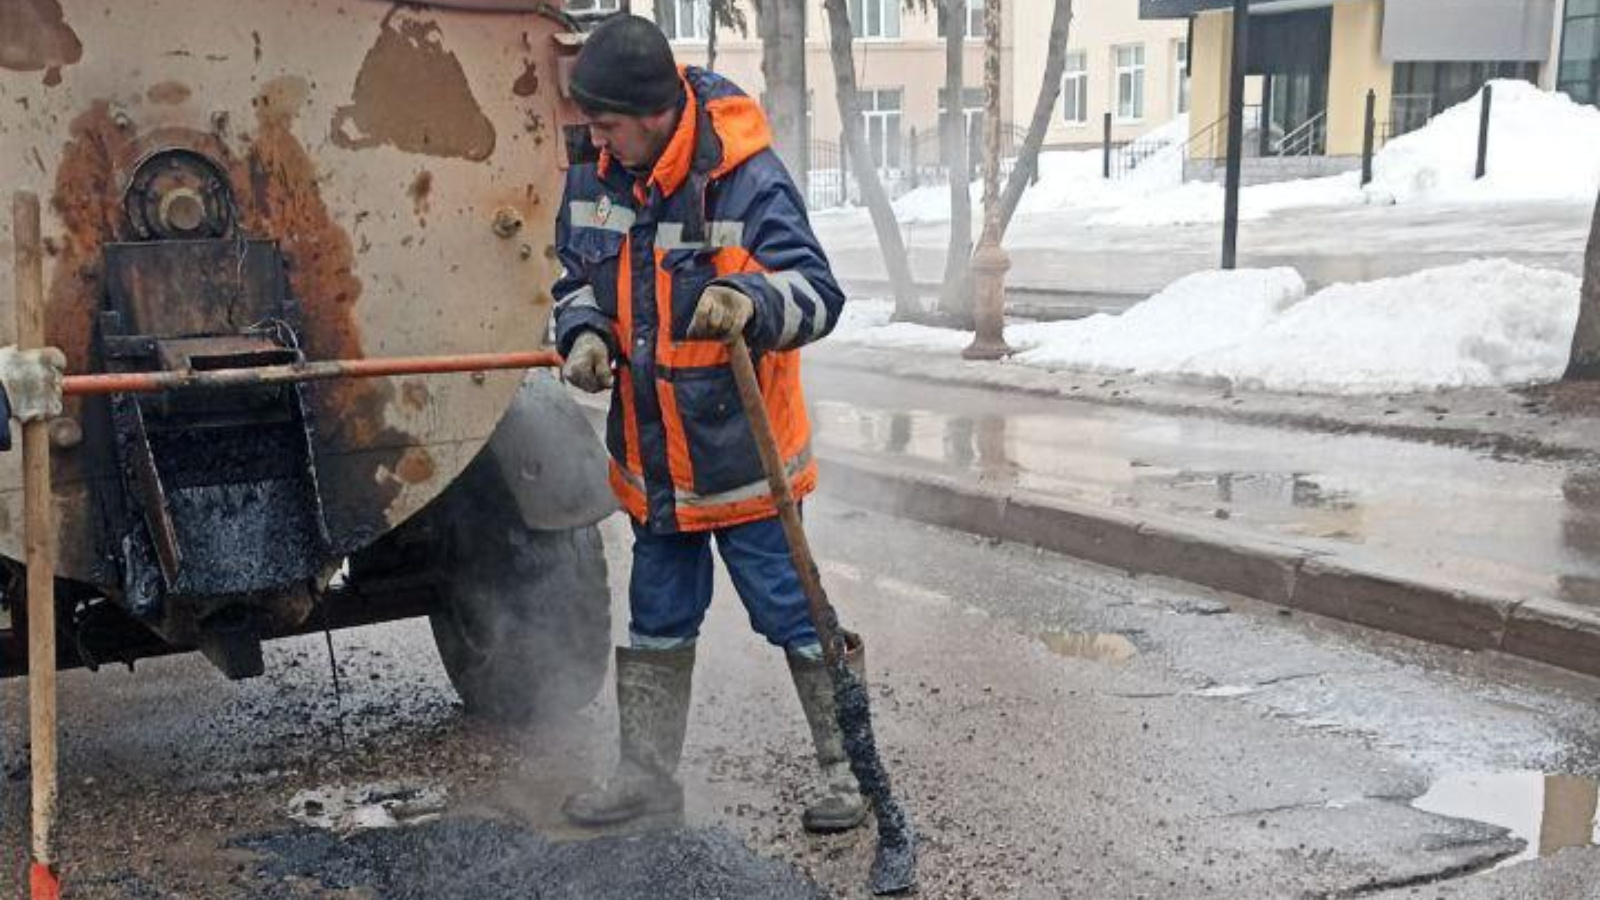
x=525, y=630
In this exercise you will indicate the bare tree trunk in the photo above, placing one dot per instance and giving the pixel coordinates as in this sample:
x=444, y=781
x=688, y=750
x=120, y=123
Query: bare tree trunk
x=1584, y=365
x=955, y=294
x=711, y=38
x=1055, y=65
x=841, y=48
x=782, y=26
x=659, y=8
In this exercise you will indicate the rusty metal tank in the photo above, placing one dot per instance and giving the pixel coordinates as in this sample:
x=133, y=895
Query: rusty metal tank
x=253, y=181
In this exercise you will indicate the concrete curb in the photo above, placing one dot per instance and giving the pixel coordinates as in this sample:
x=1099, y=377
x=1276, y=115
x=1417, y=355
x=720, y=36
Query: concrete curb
x=1544, y=630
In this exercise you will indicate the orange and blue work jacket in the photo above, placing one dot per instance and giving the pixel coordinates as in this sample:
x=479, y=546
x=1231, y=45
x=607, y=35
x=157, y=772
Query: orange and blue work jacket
x=638, y=250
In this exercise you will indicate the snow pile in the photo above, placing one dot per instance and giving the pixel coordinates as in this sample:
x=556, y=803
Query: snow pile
x=1486, y=322
x=1201, y=313
x=1152, y=194
x=1542, y=146
x=1068, y=179
x=867, y=322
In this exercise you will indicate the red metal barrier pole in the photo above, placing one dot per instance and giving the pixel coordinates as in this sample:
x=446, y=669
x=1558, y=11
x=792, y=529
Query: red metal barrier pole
x=155, y=382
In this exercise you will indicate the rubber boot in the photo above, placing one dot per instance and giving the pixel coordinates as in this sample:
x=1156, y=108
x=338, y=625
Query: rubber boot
x=653, y=711
x=842, y=807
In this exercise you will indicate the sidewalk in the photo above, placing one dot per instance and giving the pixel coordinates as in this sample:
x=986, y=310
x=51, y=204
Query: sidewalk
x=1056, y=253
x=1479, y=531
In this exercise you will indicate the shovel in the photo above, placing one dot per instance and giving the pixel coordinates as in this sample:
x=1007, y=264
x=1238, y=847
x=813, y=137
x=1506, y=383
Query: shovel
x=894, y=868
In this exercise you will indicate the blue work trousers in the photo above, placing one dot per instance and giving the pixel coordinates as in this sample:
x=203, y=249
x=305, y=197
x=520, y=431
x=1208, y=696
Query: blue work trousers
x=671, y=585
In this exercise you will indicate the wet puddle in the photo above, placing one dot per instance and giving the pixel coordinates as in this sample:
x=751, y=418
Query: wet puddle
x=1467, y=518
x=1549, y=812
x=1108, y=647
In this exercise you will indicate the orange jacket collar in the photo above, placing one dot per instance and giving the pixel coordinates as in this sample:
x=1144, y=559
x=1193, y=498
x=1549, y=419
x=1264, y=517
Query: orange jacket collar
x=672, y=169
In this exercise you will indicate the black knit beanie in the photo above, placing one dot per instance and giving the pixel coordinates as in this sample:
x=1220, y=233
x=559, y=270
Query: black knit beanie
x=626, y=67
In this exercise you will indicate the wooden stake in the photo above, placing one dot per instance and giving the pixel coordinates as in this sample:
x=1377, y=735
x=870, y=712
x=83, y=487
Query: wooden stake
x=40, y=534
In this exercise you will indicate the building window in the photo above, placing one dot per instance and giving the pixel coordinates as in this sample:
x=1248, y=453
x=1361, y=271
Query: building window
x=686, y=20
x=1422, y=90
x=974, y=19
x=1579, y=71
x=1075, y=89
x=971, y=116
x=1181, y=70
x=880, y=113
x=875, y=19
x=593, y=7
x=1129, y=61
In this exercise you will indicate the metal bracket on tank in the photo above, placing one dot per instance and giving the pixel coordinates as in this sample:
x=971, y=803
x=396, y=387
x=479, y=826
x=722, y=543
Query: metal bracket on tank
x=221, y=509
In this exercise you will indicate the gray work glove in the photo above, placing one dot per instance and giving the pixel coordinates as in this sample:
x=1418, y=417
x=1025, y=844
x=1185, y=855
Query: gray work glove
x=721, y=314
x=588, y=366
x=32, y=382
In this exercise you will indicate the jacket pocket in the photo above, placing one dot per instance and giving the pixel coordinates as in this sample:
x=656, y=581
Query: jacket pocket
x=690, y=271
x=721, y=449
x=601, y=253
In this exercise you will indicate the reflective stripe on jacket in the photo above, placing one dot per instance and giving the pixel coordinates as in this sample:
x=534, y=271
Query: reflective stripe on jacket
x=637, y=252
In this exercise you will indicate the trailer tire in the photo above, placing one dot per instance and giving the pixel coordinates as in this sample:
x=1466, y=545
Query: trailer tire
x=525, y=629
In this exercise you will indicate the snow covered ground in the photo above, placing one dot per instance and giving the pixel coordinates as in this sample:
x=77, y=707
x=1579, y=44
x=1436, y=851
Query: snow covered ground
x=1488, y=322
x=1542, y=147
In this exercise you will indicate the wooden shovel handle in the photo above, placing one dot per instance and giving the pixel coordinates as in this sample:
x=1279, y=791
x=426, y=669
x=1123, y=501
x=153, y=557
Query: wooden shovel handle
x=39, y=538
x=823, y=616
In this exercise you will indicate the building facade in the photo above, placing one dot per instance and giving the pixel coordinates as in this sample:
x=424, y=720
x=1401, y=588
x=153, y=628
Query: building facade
x=1312, y=63
x=1117, y=63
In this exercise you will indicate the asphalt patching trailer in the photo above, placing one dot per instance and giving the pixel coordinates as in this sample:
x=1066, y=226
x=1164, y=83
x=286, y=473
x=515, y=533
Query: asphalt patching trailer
x=243, y=184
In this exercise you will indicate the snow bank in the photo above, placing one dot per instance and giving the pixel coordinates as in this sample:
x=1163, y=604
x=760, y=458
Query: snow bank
x=1068, y=179
x=1542, y=146
x=1203, y=312
x=866, y=322
x=1153, y=194
x=1486, y=322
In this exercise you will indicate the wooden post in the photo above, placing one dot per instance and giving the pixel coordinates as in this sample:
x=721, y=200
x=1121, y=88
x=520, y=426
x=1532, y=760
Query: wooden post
x=40, y=543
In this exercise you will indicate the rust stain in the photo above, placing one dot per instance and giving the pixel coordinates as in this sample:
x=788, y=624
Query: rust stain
x=284, y=201
x=34, y=35
x=527, y=84
x=101, y=149
x=414, y=394
x=415, y=467
x=278, y=196
x=412, y=94
x=420, y=188
x=87, y=199
x=169, y=93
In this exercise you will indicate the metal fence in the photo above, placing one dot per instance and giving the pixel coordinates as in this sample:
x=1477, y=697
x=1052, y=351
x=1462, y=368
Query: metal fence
x=832, y=181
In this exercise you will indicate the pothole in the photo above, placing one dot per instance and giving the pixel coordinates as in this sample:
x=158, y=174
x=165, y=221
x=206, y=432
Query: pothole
x=1100, y=647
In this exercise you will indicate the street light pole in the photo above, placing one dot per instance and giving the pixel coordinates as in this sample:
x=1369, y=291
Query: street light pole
x=989, y=261
x=1230, y=203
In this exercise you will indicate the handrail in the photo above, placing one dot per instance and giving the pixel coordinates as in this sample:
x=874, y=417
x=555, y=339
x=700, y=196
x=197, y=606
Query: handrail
x=1303, y=140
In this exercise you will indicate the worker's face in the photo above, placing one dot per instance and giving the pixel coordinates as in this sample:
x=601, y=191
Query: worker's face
x=635, y=141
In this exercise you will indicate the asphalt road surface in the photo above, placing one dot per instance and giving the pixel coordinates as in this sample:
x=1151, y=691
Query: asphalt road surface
x=1057, y=729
